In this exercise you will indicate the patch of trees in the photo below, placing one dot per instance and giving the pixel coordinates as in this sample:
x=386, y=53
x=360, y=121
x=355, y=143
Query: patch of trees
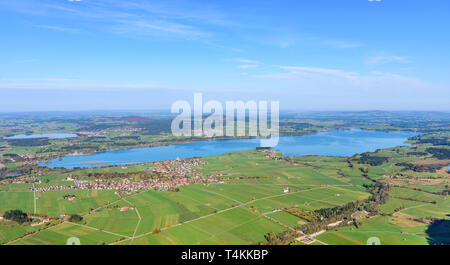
x=439, y=153
x=8, y=155
x=16, y=216
x=415, y=200
x=365, y=158
x=121, y=138
x=433, y=141
x=417, y=153
x=419, y=168
x=304, y=214
x=75, y=218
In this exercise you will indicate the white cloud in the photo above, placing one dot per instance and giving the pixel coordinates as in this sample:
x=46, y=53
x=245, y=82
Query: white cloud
x=128, y=17
x=244, y=63
x=240, y=60
x=293, y=72
x=382, y=58
x=324, y=88
x=58, y=28
x=159, y=28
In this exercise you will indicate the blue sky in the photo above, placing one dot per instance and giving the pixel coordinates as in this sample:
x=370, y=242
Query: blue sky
x=309, y=55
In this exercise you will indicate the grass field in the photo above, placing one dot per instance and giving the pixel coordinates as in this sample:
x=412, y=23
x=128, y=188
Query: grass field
x=249, y=205
x=53, y=204
x=384, y=228
x=235, y=226
x=10, y=231
x=17, y=200
x=59, y=235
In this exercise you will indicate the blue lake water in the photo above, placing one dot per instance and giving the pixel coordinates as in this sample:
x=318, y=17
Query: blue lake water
x=335, y=143
x=48, y=135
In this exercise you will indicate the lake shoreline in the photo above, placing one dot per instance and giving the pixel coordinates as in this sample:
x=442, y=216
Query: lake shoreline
x=203, y=139
x=171, y=150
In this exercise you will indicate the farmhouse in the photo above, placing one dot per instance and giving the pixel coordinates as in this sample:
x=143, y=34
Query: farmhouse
x=286, y=190
x=69, y=197
x=126, y=208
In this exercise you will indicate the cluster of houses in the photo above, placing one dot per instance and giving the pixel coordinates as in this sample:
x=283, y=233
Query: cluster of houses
x=40, y=222
x=172, y=174
x=271, y=154
x=26, y=179
x=177, y=167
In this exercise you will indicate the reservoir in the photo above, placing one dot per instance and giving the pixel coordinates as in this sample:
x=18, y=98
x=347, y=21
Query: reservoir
x=48, y=135
x=332, y=143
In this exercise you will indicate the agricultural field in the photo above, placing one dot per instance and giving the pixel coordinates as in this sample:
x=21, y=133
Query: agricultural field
x=193, y=214
x=397, y=194
x=22, y=200
x=52, y=203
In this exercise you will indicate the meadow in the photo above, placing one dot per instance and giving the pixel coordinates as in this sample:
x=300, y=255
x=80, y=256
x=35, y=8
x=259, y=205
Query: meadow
x=251, y=202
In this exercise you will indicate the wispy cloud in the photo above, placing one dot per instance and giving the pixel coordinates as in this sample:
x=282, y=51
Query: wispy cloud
x=380, y=83
x=244, y=63
x=295, y=72
x=158, y=28
x=382, y=58
x=240, y=60
x=132, y=17
x=58, y=28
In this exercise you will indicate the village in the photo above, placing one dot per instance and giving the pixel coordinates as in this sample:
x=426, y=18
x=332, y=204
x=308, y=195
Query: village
x=171, y=174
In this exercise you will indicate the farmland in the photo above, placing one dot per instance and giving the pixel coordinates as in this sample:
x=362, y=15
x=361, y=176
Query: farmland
x=397, y=194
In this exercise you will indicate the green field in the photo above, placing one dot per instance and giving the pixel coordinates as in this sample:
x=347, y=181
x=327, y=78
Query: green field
x=17, y=200
x=248, y=205
x=59, y=235
x=383, y=228
x=52, y=203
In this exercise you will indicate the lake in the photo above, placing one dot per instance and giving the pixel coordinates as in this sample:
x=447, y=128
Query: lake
x=334, y=143
x=48, y=135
